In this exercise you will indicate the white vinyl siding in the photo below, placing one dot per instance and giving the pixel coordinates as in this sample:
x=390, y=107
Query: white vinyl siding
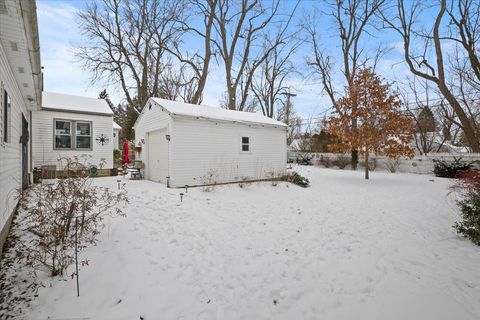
x=202, y=147
x=10, y=152
x=43, y=138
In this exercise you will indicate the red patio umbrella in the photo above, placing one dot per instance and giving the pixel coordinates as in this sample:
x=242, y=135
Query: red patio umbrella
x=126, y=156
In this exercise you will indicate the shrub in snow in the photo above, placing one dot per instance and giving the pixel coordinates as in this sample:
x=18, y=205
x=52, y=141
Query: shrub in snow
x=393, y=164
x=209, y=180
x=304, y=158
x=325, y=161
x=48, y=214
x=295, y=178
x=451, y=169
x=341, y=161
x=468, y=186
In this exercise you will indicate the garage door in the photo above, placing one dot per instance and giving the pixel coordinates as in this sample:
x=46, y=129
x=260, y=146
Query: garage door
x=157, y=156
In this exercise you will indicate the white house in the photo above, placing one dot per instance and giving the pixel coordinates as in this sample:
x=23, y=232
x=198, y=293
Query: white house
x=20, y=93
x=68, y=126
x=116, y=135
x=184, y=144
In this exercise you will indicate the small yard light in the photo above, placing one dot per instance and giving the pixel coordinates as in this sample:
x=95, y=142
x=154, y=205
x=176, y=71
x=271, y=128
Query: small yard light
x=181, y=197
x=118, y=181
x=186, y=188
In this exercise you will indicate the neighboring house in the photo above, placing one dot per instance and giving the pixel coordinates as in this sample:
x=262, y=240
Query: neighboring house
x=70, y=126
x=116, y=135
x=184, y=144
x=20, y=93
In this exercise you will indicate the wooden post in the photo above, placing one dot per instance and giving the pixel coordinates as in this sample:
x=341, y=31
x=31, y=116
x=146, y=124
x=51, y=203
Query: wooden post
x=76, y=255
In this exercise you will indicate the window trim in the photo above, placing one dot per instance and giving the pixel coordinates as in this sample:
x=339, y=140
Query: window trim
x=73, y=134
x=249, y=144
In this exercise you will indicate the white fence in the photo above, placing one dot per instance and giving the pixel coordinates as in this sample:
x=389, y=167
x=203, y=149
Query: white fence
x=419, y=164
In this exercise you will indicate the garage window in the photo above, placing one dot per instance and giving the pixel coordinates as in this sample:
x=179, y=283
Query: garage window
x=245, y=144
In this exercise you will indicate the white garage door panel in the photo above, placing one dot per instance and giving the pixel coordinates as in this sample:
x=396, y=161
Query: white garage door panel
x=157, y=156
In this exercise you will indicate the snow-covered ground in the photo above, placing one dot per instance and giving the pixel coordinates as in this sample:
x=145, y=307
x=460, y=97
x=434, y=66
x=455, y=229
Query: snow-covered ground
x=345, y=248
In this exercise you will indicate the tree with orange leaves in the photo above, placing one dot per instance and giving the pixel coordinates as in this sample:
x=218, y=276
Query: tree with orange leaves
x=382, y=127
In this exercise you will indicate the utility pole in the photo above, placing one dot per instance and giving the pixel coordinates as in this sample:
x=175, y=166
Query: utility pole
x=288, y=106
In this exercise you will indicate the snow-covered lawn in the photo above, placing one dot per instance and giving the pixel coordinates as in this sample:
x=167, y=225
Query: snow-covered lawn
x=345, y=248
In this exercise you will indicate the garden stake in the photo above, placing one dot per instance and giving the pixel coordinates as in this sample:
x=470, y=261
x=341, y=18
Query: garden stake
x=181, y=197
x=118, y=181
x=186, y=188
x=76, y=254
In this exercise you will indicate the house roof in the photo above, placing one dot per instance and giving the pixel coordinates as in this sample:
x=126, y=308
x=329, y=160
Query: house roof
x=116, y=126
x=208, y=112
x=69, y=103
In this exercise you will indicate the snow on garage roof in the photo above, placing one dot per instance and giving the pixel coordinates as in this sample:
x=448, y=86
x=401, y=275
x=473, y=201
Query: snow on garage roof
x=69, y=103
x=207, y=112
x=116, y=126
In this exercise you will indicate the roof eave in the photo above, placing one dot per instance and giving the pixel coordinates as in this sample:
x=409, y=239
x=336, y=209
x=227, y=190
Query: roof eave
x=77, y=111
x=30, y=24
x=242, y=122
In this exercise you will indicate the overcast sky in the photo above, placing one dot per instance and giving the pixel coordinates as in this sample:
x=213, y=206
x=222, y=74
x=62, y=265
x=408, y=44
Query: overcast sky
x=59, y=34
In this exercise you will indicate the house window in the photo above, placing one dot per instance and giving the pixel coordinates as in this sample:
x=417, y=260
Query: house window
x=70, y=134
x=7, y=106
x=63, y=134
x=83, y=134
x=245, y=144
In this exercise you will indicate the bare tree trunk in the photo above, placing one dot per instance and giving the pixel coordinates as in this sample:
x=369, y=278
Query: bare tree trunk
x=366, y=165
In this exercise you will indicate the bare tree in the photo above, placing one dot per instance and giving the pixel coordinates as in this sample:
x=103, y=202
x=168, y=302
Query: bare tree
x=351, y=19
x=198, y=62
x=127, y=43
x=269, y=86
x=462, y=32
x=428, y=136
x=241, y=28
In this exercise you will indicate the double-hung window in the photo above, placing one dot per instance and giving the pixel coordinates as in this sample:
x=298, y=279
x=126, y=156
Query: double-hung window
x=70, y=134
x=83, y=135
x=245, y=144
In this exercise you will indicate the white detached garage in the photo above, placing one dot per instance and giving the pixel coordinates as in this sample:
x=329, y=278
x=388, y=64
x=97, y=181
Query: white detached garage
x=185, y=144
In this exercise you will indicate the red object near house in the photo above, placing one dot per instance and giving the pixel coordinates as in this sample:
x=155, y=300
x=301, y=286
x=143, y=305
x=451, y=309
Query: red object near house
x=126, y=156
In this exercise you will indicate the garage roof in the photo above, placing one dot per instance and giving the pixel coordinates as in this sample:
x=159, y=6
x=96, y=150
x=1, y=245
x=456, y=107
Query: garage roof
x=69, y=103
x=207, y=112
